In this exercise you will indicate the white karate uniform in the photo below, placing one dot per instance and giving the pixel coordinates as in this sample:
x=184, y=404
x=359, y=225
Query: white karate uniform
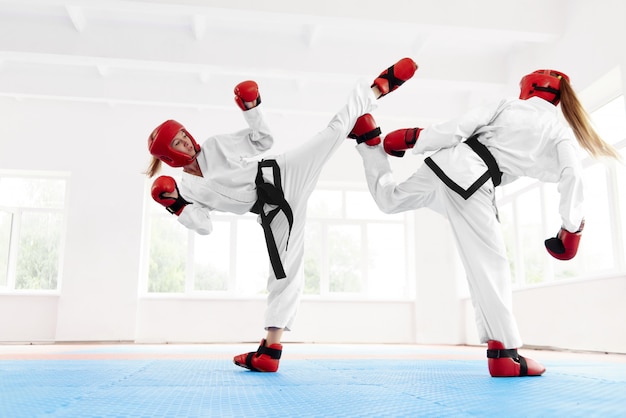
x=526, y=138
x=228, y=185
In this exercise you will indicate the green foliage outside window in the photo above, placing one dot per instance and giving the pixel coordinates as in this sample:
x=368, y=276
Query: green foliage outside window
x=168, y=256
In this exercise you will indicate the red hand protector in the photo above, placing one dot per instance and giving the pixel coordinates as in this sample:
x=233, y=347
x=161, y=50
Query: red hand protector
x=247, y=91
x=396, y=142
x=565, y=245
x=166, y=184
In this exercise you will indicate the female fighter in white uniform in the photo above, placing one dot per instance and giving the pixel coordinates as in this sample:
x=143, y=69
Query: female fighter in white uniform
x=219, y=176
x=487, y=147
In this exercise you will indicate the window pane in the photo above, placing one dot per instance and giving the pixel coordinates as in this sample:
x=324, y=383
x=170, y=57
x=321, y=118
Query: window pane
x=212, y=258
x=168, y=254
x=5, y=241
x=345, y=261
x=31, y=192
x=38, y=251
x=252, y=260
x=312, y=257
x=610, y=120
x=595, y=251
x=386, y=260
x=361, y=205
x=325, y=204
x=531, y=239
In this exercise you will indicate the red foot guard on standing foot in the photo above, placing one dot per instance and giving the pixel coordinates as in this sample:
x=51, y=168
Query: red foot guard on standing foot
x=365, y=130
x=507, y=363
x=265, y=359
x=394, y=76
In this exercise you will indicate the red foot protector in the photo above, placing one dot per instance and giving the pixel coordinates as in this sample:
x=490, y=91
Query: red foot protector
x=394, y=76
x=265, y=359
x=365, y=130
x=507, y=363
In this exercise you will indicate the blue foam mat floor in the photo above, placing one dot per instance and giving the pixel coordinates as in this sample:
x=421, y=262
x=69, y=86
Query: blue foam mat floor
x=319, y=386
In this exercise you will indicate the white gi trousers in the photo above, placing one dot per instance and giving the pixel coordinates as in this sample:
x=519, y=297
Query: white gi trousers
x=300, y=170
x=476, y=231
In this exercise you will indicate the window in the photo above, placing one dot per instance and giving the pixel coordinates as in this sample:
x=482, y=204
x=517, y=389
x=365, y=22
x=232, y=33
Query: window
x=32, y=217
x=529, y=214
x=351, y=249
x=232, y=259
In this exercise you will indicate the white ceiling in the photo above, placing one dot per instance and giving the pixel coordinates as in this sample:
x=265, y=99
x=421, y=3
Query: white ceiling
x=305, y=55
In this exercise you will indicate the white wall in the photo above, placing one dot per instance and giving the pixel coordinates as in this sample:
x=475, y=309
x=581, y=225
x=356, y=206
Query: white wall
x=103, y=147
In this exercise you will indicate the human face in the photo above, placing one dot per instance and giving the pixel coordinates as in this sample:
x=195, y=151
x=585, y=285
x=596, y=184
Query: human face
x=182, y=143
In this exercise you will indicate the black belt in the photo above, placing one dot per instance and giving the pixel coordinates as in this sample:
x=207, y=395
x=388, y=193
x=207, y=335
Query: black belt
x=493, y=171
x=271, y=194
x=487, y=157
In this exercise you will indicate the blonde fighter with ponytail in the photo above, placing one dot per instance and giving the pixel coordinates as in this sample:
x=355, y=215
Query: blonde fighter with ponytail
x=469, y=157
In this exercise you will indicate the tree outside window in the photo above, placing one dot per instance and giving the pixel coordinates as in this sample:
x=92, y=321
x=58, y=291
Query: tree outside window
x=32, y=212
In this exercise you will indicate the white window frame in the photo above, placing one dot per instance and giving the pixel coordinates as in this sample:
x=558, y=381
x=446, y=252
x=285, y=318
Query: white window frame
x=230, y=292
x=17, y=212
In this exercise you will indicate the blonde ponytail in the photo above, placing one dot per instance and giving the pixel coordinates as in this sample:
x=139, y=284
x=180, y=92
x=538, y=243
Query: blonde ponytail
x=578, y=120
x=154, y=168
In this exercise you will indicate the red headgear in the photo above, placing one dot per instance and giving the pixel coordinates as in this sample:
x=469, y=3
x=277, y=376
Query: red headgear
x=160, y=144
x=542, y=83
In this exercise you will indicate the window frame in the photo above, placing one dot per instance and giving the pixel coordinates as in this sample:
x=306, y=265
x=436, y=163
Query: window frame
x=17, y=213
x=151, y=208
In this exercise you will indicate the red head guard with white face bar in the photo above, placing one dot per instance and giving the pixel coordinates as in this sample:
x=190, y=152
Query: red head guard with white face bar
x=542, y=83
x=160, y=144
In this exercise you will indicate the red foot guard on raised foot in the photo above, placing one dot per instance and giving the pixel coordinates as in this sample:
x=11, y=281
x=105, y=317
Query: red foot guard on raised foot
x=507, y=363
x=365, y=130
x=394, y=76
x=265, y=359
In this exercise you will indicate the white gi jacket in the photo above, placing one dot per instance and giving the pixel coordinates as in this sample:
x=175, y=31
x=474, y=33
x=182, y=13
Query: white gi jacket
x=229, y=170
x=525, y=137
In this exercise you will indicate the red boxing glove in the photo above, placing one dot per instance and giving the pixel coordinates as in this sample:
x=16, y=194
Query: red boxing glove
x=166, y=184
x=565, y=245
x=247, y=91
x=396, y=142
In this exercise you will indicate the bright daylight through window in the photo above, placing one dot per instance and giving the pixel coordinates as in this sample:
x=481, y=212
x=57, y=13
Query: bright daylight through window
x=348, y=243
x=32, y=213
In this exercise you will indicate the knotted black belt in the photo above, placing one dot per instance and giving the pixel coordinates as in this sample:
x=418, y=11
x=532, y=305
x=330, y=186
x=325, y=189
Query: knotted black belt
x=272, y=194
